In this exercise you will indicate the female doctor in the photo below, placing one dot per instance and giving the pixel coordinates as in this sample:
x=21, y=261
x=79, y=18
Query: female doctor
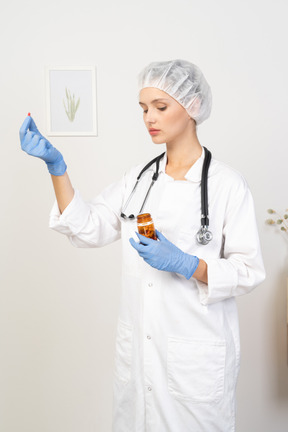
x=177, y=345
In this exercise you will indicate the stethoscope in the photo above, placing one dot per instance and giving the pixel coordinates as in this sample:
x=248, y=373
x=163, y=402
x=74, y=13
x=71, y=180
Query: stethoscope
x=203, y=236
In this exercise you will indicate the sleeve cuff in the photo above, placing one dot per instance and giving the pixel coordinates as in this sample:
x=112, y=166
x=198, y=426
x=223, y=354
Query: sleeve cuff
x=73, y=217
x=222, y=280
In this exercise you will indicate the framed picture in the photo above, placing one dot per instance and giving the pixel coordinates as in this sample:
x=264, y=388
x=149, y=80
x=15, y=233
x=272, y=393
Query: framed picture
x=71, y=101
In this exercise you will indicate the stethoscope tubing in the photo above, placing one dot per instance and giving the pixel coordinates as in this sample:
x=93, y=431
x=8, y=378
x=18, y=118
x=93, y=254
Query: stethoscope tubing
x=203, y=235
x=204, y=188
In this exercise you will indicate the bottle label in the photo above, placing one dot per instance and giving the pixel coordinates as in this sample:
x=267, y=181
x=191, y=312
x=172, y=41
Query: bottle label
x=145, y=223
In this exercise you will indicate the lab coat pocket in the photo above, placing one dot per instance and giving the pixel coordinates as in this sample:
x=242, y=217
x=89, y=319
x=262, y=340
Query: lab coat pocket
x=196, y=369
x=123, y=353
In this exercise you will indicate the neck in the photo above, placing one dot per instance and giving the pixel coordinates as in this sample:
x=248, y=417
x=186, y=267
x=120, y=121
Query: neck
x=184, y=150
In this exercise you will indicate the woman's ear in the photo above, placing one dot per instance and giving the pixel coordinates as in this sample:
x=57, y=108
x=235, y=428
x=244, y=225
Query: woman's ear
x=193, y=122
x=195, y=107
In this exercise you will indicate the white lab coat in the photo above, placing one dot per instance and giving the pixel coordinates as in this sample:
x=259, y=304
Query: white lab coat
x=177, y=345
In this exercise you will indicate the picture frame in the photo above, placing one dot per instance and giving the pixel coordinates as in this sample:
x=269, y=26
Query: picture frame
x=71, y=101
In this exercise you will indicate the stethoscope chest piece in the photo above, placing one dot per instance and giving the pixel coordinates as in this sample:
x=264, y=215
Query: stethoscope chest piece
x=204, y=236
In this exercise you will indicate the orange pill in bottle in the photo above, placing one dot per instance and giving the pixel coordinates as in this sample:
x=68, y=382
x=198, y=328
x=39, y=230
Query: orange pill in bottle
x=146, y=226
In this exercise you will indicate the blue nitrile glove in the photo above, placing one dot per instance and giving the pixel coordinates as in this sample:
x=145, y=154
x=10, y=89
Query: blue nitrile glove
x=33, y=143
x=164, y=255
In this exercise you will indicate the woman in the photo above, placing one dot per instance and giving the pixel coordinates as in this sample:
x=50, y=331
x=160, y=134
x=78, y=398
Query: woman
x=177, y=348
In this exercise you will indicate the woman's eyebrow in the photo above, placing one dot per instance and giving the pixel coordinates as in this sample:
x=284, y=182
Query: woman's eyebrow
x=155, y=100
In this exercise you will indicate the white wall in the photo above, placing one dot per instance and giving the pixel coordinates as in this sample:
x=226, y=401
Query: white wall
x=59, y=304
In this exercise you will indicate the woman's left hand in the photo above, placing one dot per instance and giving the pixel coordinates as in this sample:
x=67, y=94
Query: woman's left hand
x=164, y=255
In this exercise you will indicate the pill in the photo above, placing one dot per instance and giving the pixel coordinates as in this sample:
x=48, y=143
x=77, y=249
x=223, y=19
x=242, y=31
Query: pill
x=29, y=114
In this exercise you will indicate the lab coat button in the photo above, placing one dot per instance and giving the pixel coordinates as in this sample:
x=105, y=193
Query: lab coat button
x=150, y=284
x=149, y=389
x=148, y=337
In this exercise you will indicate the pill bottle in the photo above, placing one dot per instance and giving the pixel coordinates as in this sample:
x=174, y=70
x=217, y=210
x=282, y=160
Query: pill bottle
x=146, y=226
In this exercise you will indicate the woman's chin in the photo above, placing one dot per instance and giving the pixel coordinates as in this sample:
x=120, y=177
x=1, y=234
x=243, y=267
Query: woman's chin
x=158, y=140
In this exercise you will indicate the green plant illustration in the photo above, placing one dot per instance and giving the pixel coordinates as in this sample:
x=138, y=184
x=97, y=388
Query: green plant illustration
x=71, y=107
x=281, y=221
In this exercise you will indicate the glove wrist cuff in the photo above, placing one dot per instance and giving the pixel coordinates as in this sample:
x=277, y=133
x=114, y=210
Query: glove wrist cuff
x=190, y=264
x=57, y=168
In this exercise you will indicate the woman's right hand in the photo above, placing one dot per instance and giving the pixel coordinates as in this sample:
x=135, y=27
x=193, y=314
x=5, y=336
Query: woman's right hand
x=35, y=144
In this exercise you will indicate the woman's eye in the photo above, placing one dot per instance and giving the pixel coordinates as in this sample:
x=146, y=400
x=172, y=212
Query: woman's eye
x=161, y=109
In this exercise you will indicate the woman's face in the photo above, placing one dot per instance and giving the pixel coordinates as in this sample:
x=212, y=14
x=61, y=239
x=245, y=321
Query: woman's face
x=165, y=114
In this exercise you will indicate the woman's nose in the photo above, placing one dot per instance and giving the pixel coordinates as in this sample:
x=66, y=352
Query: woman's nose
x=150, y=117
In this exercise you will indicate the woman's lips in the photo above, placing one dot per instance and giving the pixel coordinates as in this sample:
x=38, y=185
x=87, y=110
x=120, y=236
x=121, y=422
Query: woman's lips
x=154, y=131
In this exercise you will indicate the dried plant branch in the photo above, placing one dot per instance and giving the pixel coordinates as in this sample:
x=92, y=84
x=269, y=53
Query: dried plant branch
x=71, y=107
x=281, y=221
